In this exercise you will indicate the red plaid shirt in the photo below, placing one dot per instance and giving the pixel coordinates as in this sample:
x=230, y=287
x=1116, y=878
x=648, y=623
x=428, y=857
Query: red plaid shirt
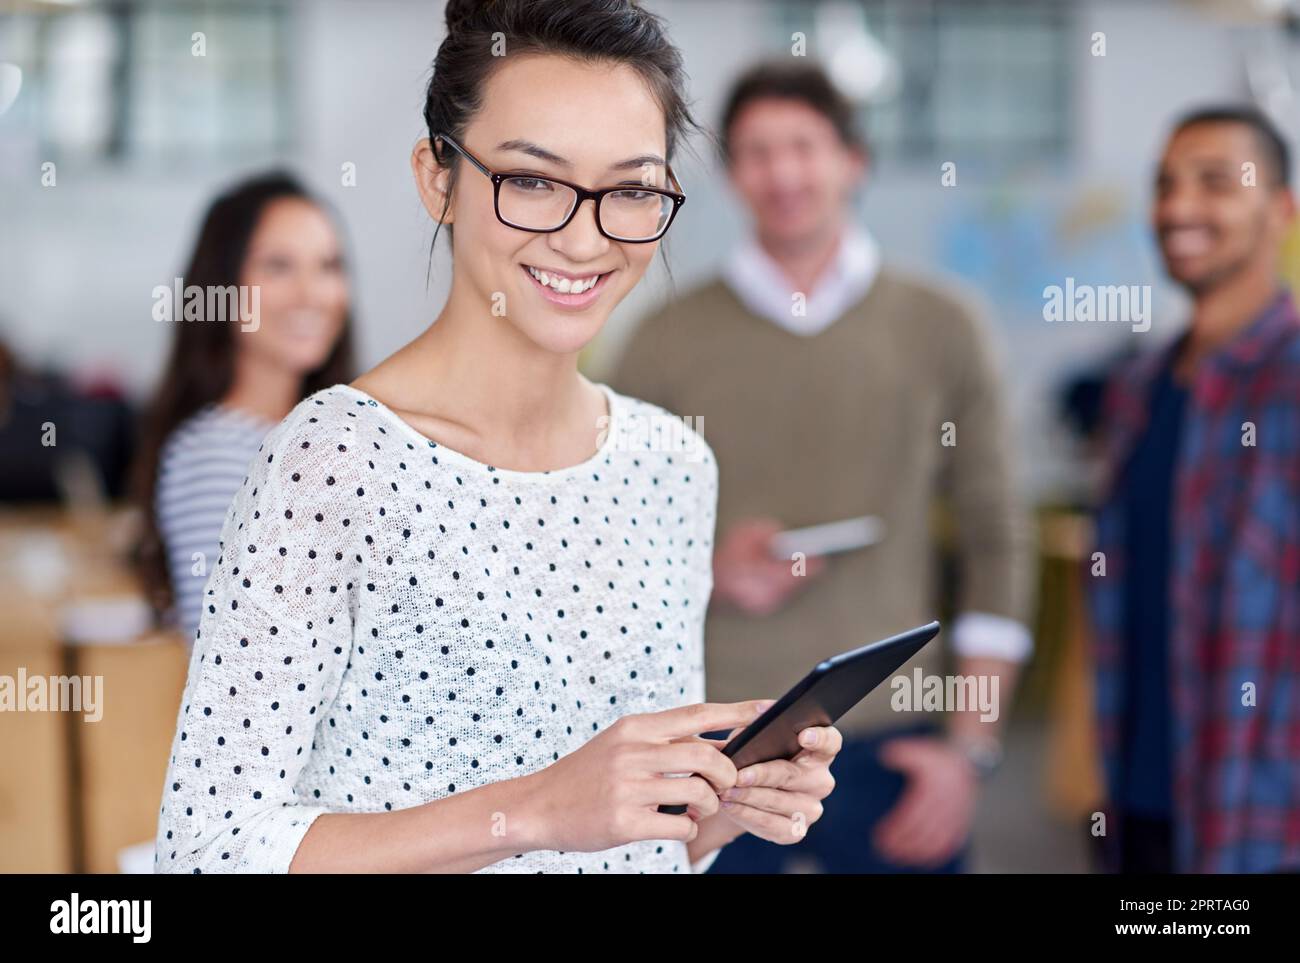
x=1234, y=597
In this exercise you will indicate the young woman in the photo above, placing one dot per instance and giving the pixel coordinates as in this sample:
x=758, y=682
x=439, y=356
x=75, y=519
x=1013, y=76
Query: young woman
x=228, y=381
x=457, y=620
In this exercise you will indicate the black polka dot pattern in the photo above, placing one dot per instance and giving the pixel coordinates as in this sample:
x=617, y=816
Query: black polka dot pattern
x=391, y=622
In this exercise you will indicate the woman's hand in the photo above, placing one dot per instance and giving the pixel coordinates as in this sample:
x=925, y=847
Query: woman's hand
x=779, y=800
x=607, y=793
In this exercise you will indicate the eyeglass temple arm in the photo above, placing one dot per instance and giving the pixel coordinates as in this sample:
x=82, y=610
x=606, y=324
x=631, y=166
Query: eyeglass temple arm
x=677, y=185
x=464, y=153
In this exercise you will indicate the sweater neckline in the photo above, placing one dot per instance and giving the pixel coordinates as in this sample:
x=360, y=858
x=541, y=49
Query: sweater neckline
x=442, y=452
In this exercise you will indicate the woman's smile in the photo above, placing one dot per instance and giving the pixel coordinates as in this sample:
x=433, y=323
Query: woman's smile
x=566, y=289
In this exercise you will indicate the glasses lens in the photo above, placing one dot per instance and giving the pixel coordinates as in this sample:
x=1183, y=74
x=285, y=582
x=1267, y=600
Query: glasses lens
x=534, y=203
x=635, y=215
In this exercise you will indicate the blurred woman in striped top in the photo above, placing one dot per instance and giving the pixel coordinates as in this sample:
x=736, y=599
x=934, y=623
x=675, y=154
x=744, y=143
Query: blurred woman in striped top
x=230, y=379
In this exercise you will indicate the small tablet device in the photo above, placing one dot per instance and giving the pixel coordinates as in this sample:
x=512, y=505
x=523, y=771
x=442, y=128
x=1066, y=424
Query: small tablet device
x=847, y=535
x=831, y=689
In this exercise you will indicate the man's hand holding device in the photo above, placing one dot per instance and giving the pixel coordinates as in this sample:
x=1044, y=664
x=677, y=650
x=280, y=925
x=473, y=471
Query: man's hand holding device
x=746, y=575
x=754, y=566
x=831, y=538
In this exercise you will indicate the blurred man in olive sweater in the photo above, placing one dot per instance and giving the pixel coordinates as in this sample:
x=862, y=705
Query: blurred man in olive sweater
x=832, y=386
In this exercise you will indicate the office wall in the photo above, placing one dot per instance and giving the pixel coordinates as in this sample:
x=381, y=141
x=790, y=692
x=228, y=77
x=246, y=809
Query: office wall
x=78, y=262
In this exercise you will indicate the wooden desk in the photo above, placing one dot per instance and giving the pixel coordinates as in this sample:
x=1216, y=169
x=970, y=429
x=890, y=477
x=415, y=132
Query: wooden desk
x=75, y=792
x=120, y=761
x=1074, y=784
x=35, y=818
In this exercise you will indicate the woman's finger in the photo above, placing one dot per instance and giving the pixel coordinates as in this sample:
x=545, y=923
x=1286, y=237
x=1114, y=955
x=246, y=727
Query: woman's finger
x=693, y=719
x=678, y=790
x=814, y=779
x=656, y=825
x=714, y=743
x=760, y=822
x=777, y=801
x=696, y=757
x=820, y=742
x=774, y=773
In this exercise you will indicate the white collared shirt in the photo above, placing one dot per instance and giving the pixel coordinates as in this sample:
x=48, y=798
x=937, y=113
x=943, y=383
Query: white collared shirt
x=763, y=288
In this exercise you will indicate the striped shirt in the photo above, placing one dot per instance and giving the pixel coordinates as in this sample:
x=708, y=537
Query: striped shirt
x=204, y=461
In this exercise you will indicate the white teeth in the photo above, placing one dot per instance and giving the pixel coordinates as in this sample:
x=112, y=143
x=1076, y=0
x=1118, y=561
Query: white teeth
x=564, y=285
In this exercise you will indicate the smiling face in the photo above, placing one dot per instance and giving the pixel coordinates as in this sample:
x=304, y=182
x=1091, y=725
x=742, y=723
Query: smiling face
x=1210, y=221
x=791, y=168
x=296, y=261
x=593, y=124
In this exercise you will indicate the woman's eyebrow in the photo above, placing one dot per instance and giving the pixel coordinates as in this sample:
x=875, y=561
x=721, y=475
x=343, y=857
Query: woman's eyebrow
x=541, y=153
x=534, y=150
x=632, y=163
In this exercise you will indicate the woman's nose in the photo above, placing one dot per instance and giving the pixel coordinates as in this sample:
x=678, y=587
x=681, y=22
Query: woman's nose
x=581, y=240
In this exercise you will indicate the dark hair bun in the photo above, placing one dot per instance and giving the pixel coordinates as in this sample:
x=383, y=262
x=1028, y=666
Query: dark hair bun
x=603, y=31
x=458, y=11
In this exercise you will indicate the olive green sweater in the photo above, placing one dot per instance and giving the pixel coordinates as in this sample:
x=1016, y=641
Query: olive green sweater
x=850, y=421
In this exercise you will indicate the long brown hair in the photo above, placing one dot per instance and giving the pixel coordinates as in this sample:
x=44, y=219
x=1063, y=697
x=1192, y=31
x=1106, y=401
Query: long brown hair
x=201, y=366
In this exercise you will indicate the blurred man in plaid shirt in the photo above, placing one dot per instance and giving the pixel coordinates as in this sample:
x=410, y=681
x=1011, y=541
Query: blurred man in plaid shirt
x=1195, y=595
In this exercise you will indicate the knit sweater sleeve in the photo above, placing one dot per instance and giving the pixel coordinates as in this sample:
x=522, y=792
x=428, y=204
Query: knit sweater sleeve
x=274, y=639
x=994, y=542
x=700, y=552
x=701, y=570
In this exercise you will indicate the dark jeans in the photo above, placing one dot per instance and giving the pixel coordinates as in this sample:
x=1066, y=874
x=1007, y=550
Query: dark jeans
x=1145, y=844
x=839, y=842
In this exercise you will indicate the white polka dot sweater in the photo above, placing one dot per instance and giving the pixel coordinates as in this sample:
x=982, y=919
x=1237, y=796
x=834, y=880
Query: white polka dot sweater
x=390, y=622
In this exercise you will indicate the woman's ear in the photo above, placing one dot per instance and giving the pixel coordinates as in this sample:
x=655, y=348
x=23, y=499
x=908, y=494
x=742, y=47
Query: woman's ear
x=432, y=180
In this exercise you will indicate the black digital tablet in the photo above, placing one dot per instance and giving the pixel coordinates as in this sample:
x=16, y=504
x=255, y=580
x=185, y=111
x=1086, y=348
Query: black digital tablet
x=831, y=689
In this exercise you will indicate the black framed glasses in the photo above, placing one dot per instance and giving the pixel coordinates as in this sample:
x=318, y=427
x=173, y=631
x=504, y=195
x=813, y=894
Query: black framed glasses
x=544, y=205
